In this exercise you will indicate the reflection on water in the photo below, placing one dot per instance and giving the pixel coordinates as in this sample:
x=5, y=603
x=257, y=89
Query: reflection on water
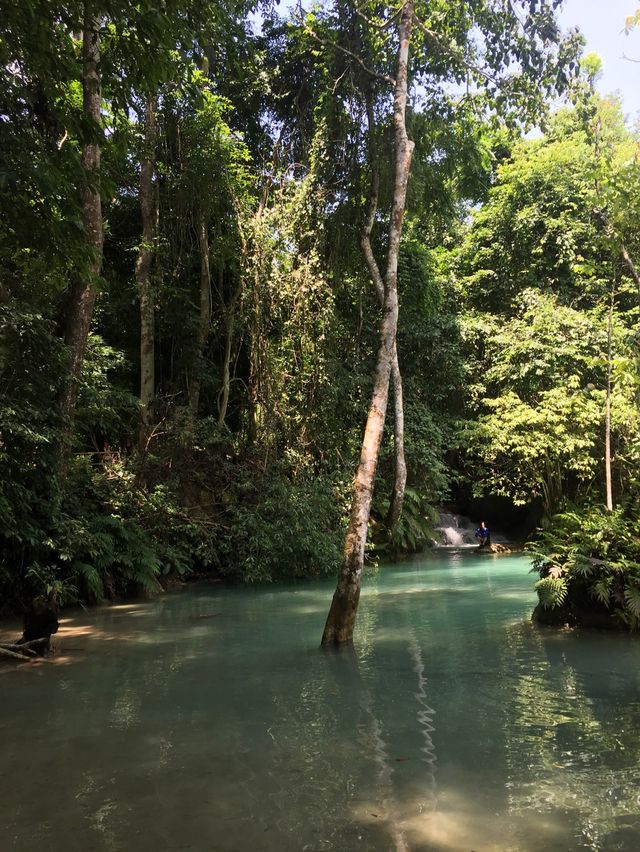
x=209, y=720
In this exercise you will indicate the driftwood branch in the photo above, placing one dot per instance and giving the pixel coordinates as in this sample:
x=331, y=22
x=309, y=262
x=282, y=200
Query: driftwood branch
x=21, y=650
x=4, y=652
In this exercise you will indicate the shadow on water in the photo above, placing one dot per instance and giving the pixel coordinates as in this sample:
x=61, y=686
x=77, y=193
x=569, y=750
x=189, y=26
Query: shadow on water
x=210, y=720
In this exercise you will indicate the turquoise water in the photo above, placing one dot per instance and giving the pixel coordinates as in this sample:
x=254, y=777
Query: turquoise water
x=210, y=720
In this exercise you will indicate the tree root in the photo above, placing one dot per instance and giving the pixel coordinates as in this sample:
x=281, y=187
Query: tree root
x=21, y=650
x=4, y=652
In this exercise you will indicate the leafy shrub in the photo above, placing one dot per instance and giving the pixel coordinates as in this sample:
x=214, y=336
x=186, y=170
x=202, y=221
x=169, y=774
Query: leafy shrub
x=590, y=558
x=98, y=532
x=415, y=529
x=283, y=529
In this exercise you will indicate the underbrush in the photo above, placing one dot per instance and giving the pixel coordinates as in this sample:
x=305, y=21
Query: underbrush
x=124, y=524
x=589, y=560
x=86, y=513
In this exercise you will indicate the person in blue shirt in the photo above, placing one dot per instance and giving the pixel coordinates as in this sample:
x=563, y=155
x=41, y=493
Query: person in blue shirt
x=483, y=534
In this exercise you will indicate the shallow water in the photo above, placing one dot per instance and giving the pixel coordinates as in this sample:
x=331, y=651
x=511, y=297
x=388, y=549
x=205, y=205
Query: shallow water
x=209, y=720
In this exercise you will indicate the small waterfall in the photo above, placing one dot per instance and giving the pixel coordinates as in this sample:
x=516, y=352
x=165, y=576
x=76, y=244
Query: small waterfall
x=458, y=531
x=451, y=536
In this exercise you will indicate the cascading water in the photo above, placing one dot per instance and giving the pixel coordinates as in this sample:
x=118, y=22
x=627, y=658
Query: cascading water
x=451, y=536
x=458, y=531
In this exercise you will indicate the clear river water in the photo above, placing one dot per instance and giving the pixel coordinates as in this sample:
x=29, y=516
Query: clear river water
x=210, y=720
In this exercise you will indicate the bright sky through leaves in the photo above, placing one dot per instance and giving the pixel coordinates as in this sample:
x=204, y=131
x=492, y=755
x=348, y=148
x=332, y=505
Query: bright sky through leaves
x=602, y=24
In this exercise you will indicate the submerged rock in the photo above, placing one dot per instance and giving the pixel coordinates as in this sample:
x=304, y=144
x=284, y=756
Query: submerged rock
x=573, y=615
x=494, y=548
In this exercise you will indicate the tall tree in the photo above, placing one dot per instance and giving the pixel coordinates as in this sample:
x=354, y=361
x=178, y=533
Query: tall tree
x=342, y=614
x=149, y=210
x=448, y=48
x=204, y=313
x=400, y=467
x=607, y=416
x=82, y=294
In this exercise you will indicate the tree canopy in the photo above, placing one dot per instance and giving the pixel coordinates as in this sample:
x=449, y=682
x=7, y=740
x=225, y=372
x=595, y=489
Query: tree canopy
x=198, y=225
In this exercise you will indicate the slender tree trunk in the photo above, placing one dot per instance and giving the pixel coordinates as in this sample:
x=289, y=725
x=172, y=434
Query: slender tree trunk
x=342, y=614
x=611, y=232
x=607, y=414
x=230, y=317
x=396, y=501
x=205, y=314
x=226, y=370
x=254, y=248
x=631, y=267
x=150, y=213
x=82, y=293
x=400, y=468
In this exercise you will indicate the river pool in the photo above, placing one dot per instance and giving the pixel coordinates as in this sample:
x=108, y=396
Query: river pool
x=210, y=720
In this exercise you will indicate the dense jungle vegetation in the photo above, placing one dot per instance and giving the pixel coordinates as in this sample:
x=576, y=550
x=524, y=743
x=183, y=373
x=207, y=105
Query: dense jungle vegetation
x=189, y=325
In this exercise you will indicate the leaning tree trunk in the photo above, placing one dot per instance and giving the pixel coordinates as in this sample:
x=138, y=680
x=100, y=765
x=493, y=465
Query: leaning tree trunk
x=82, y=294
x=631, y=267
x=226, y=368
x=342, y=614
x=607, y=413
x=149, y=212
x=204, y=322
x=230, y=317
x=400, y=468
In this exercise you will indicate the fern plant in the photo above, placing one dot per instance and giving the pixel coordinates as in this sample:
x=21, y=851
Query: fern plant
x=590, y=558
x=552, y=591
x=414, y=530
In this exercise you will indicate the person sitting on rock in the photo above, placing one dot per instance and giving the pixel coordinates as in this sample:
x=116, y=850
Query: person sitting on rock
x=483, y=534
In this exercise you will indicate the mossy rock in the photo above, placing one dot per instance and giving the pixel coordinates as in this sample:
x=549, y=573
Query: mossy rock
x=494, y=548
x=572, y=615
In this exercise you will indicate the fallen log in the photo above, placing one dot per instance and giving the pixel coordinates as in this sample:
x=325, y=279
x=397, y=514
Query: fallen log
x=29, y=652
x=23, y=650
x=6, y=653
x=30, y=645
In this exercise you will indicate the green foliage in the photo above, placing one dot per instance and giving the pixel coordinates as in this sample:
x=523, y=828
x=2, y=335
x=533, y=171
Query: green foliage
x=284, y=529
x=262, y=141
x=590, y=558
x=99, y=533
x=413, y=532
x=30, y=432
x=552, y=591
x=535, y=274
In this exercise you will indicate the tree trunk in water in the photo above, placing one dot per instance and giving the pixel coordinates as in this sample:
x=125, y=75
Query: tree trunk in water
x=150, y=213
x=205, y=314
x=400, y=479
x=607, y=414
x=82, y=293
x=342, y=614
x=41, y=621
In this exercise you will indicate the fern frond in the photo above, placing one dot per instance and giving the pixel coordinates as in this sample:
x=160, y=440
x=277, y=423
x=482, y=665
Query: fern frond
x=552, y=592
x=91, y=579
x=632, y=601
x=601, y=591
x=582, y=565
